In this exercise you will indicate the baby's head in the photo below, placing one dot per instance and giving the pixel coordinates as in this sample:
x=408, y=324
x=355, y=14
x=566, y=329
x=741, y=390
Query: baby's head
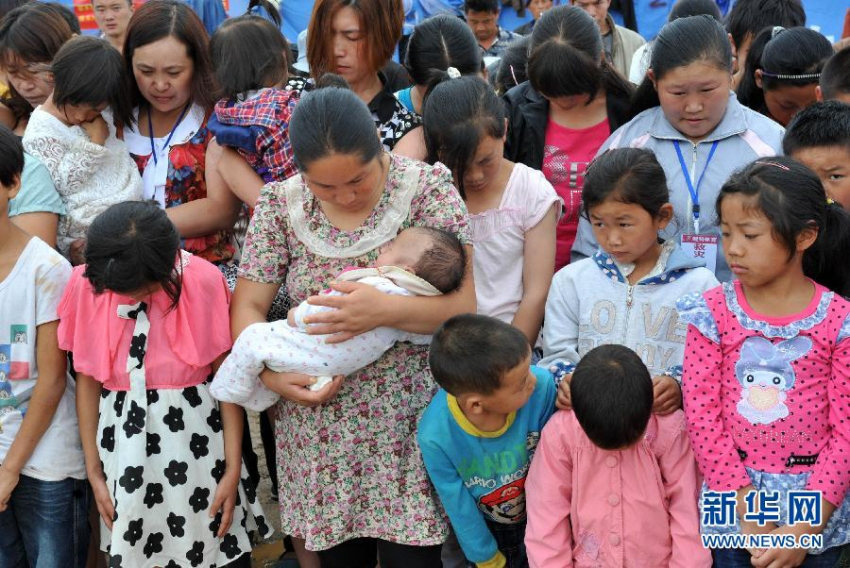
x=432, y=254
x=611, y=393
x=484, y=363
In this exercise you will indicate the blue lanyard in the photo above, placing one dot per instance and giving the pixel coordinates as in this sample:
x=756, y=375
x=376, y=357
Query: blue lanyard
x=694, y=191
x=173, y=129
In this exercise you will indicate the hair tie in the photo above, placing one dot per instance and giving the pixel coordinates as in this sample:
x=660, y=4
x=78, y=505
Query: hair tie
x=785, y=77
x=774, y=164
x=453, y=72
x=829, y=201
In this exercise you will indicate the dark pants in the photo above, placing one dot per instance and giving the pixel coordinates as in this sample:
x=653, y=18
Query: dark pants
x=364, y=553
x=511, y=542
x=46, y=524
x=739, y=558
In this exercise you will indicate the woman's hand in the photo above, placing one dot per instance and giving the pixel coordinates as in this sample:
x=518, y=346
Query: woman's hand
x=225, y=500
x=97, y=130
x=102, y=499
x=8, y=482
x=666, y=395
x=293, y=387
x=355, y=312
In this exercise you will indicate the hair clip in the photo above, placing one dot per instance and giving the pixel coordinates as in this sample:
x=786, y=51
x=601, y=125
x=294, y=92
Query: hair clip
x=453, y=72
x=830, y=201
x=776, y=31
x=785, y=77
x=774, y=164
x=513, y=74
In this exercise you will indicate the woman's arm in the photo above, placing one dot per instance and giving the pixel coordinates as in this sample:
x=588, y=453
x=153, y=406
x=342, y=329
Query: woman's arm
x=215, y=212
x=88, y=399
x=538, y=266
x=239, y=176
x=362, y=308
x=48, y=391
x=40, y=224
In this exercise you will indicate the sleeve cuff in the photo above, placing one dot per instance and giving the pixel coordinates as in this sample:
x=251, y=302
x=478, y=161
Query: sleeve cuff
x=498, y=561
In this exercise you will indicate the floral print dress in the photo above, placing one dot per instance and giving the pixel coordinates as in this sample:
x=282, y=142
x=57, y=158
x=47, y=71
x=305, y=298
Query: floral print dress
x=351, y=468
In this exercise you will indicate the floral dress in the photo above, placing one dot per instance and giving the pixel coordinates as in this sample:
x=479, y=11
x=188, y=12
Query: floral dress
x=351, y=468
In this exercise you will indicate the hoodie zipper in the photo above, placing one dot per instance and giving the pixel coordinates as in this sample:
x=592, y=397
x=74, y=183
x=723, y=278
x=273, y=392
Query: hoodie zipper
x=630, y=296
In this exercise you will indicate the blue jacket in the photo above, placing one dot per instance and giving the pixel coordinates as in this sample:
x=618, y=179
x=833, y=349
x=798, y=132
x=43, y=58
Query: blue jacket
x=743, y=135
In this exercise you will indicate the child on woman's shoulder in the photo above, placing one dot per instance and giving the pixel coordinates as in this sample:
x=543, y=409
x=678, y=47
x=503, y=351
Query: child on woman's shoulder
x=478, y=434
x=625, y=293
x=767, y=378
x=613, y=492
x=44, y=495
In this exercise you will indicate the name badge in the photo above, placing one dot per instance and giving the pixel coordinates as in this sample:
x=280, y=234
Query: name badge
x=701, y=247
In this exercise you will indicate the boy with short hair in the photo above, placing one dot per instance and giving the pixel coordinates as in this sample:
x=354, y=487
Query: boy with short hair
x=479, y=432
x=835, y=78
x=819, y=137
x=44, y=495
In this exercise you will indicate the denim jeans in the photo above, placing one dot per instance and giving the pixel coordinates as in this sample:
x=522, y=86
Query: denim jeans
x=739, y=558
x=46, y=524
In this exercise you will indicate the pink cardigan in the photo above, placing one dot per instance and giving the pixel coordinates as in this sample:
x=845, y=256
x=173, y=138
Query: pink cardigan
x=591, y=507
x=183, y=342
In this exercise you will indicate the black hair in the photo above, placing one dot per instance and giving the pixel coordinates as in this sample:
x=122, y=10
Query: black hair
x=629, y=175
x=513, y=65
x=686, y=8
x=472, y=353
x=456, y=116
x=332, y=120
x=443, y=264
x=678, y=44
x=11, y=157
x=264, y=9
x=249, y=53
x=89, y=71
x=792, y=198
x=611, y=396
x=749, y=17
x=565, y=57
x=7, y=6
x=825, y=123
x=835, y=77
x=132, y=245
x=793, y=56
x=67, y=14
x=332, y=80
x=441, y=42
x=481, y=6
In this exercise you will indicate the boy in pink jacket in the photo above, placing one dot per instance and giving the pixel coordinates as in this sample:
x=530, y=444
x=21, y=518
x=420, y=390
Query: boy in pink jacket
x=612, y=484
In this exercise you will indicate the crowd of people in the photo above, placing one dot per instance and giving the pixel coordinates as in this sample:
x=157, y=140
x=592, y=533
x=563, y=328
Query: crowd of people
x=528, y=299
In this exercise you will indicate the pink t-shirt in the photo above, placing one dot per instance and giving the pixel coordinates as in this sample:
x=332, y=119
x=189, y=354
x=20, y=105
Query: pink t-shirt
x=566, y=154
x=498, y=236
x=768, y=387
x=590, y=507
x=183, y=342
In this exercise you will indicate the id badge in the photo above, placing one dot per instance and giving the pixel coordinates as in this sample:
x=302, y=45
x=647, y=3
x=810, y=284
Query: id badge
x=701, y=247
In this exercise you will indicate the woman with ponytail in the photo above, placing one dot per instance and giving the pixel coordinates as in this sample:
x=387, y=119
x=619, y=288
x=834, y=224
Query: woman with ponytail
x=571, y=103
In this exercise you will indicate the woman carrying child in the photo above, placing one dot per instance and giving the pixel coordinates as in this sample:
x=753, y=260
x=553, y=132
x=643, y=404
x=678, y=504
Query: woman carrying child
x=355, y=482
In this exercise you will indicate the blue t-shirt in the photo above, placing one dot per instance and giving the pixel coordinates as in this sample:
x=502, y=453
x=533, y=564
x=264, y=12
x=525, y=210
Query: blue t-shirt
x=37, y=194
x=481, y=475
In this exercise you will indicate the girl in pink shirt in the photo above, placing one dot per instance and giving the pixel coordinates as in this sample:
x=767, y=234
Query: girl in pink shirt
x=766, y=380
x=613, y=493
x=147, y=324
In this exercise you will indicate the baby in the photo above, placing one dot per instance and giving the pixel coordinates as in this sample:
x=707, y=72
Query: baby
x=420, y=261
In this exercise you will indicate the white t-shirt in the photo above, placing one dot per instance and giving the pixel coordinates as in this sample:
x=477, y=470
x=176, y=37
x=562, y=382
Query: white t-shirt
x=29, y=296
x=498, y=236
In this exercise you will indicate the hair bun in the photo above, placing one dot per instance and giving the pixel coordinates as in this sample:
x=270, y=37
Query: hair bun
x=453, y=73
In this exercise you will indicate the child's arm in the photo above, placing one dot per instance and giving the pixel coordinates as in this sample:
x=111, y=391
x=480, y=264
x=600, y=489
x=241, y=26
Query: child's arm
x=681, y=487
x=239, y=176
x=537, y=268
x=88, y=400
x=217, y=211
x=478, y=544
x=48, y=391
x=561, y=332
x=548, y=496
x=226, y=491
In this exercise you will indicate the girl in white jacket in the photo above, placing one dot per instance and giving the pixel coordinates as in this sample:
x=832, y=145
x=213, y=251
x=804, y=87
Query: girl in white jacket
x=76, y=141
x=625, y=293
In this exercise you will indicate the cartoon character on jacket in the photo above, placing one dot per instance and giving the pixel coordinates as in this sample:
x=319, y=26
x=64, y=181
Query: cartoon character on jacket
x=765, y=373
x=505, y=504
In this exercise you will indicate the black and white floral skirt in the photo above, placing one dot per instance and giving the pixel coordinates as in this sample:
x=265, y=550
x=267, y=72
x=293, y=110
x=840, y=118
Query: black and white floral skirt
x=163, y=455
